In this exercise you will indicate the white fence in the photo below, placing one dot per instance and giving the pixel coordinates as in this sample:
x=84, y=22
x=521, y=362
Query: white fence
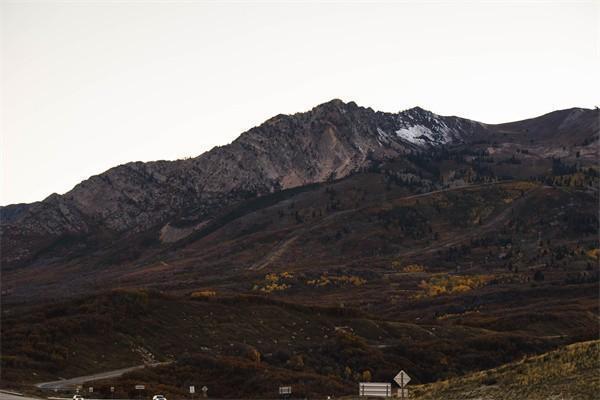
x=375, y=389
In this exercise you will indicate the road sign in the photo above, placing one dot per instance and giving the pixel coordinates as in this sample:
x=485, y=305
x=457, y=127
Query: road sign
x=285, y=390
x=402, y=379
x=112, y=389
x=192, y=389
x=140, y=387
x=91, y=389
x=204, y=391
x=375, y=389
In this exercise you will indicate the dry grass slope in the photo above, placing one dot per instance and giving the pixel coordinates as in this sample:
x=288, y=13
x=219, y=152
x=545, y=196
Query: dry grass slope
x=570, y=373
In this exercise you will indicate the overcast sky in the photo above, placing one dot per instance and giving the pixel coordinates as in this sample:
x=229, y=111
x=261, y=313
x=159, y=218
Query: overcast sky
x=90, y=85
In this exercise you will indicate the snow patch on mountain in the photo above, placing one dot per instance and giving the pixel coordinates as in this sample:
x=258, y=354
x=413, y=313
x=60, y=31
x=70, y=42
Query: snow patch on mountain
x=422, y=127
x=420, y=134
x=414, y=134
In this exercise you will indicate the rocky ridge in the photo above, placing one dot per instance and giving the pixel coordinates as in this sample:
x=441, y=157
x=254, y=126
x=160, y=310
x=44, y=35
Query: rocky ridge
x=331, y=141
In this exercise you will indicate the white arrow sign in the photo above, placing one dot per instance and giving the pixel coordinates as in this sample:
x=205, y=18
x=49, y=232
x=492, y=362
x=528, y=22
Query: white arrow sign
x=402, y=379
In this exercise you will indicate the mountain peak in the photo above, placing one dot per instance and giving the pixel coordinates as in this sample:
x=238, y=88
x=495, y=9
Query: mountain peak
x=331, y=141
x=417, y=109
x=336, y=104
x=335, y=101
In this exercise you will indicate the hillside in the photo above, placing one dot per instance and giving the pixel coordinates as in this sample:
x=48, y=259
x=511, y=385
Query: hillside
x=255, y=343
x=318, y=249
x=567, y=373
x=331, y=141
x=370, y=226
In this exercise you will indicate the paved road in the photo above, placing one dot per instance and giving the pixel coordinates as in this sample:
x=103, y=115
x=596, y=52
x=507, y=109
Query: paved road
x=6, y=396
x=72, y=382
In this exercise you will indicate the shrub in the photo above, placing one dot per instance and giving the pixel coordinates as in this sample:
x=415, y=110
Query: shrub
x=203, y=294
x=326, y=280
x=449, y=284
x=413, y=268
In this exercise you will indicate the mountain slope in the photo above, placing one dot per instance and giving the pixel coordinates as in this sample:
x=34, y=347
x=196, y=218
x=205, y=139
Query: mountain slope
x=567, y=373
x=436, y=244
x=331, y=141
x=246, y=339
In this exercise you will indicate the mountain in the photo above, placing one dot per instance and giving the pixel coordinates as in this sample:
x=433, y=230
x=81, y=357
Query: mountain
x=319, y=250
x=331, y=141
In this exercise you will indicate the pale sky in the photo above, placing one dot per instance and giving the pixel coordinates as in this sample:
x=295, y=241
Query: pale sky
x=90, y=85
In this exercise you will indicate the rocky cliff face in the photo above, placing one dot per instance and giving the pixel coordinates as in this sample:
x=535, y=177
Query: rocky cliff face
x=330, y=141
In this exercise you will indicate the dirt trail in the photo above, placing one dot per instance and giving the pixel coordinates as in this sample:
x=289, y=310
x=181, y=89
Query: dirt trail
x=278, y=251
x=274, y=254
x=477, y=231
x=281, y=248
x=452, y=189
